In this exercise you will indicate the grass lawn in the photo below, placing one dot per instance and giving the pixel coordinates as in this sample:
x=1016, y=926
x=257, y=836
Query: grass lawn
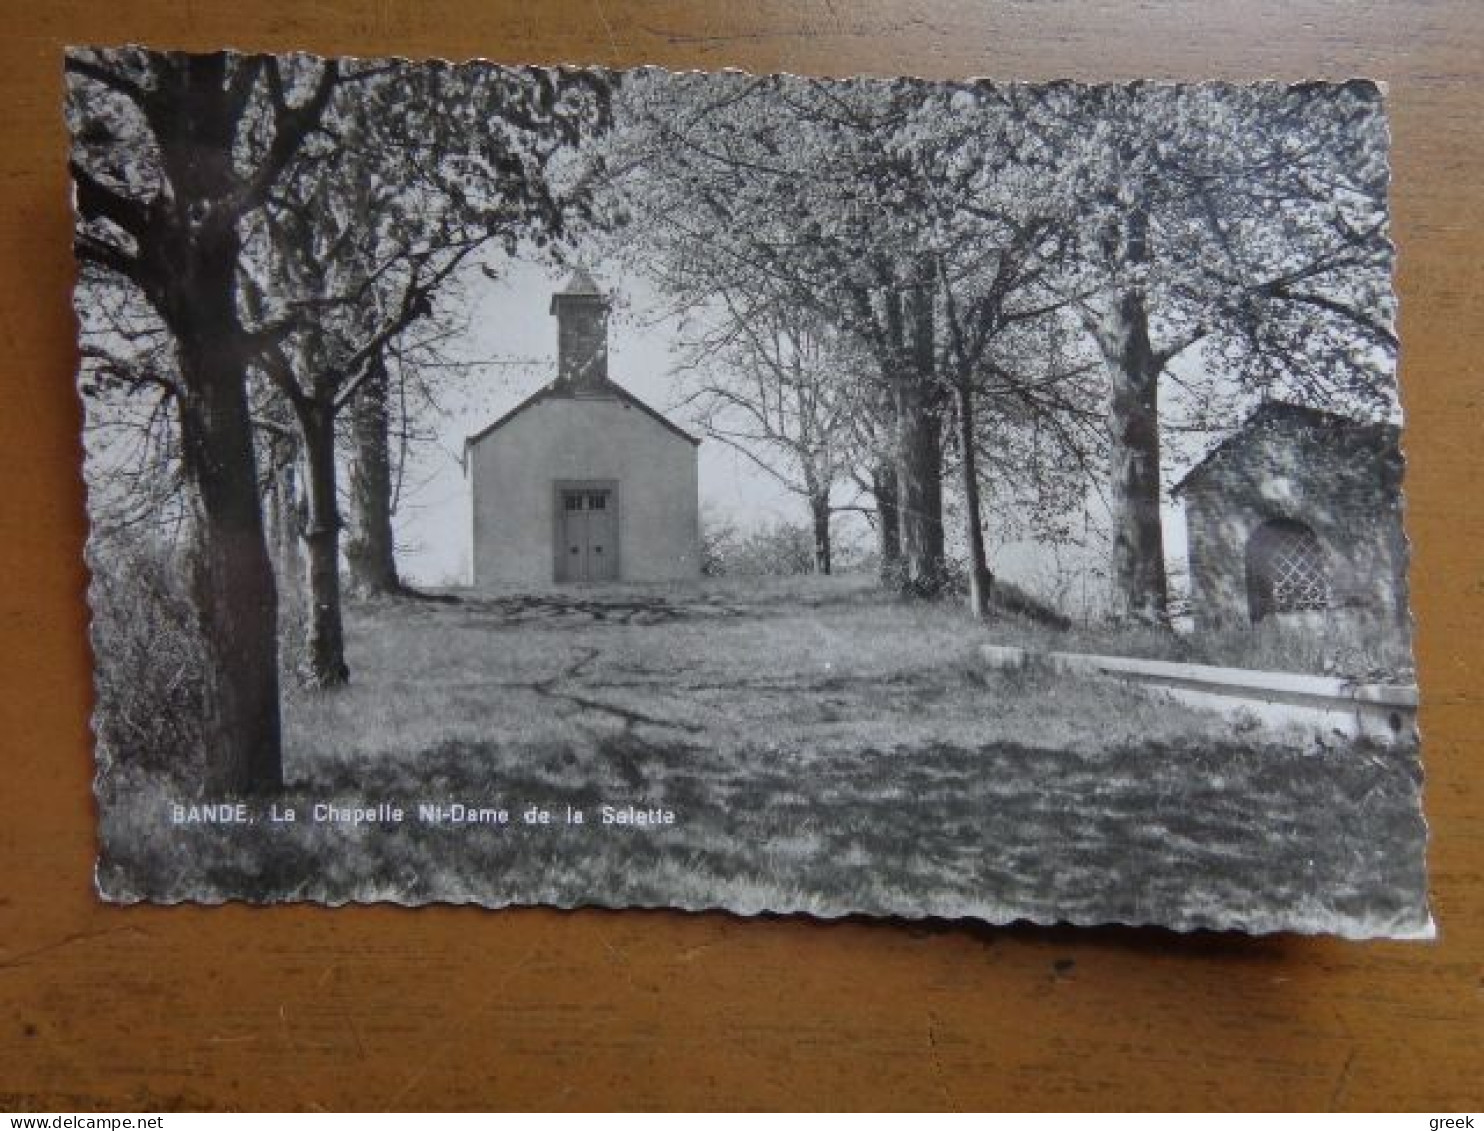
x=823, y=748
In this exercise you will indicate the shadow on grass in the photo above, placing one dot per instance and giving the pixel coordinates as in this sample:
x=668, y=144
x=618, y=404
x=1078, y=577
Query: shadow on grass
x=1216, y=836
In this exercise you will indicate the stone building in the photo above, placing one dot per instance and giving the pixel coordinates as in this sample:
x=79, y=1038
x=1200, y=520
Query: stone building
x=1297, y=515
x=583, y=482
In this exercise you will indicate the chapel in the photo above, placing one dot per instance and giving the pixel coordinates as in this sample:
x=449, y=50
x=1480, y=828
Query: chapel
x=1297, y=515
x=582, y=482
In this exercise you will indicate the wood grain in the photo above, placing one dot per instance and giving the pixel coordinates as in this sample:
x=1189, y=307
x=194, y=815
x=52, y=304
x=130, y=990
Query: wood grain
x=158, y=1008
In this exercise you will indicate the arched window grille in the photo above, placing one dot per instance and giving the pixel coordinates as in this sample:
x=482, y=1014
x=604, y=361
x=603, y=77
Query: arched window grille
x=1287, y=571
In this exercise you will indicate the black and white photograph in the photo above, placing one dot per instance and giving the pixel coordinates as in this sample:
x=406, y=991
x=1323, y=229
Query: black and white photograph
x=767, y=493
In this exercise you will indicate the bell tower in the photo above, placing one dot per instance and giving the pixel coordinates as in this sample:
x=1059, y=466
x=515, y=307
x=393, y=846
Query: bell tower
x=581, y=311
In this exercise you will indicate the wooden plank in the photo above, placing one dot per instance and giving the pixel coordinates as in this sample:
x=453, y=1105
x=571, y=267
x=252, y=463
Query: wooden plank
x=236, y=1007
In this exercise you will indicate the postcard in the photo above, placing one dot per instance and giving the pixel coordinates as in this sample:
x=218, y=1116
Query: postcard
x=567, y=486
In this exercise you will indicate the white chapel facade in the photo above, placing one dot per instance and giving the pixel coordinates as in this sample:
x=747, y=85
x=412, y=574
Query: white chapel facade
x=582, y=482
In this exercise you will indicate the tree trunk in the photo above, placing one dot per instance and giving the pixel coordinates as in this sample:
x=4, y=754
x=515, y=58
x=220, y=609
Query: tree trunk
x=920, y=444
x=981, y=581
x=370, y=551
x=283, y=519
x=325, y=643
x=232, y=587
x=919, y=471
x=1140, y=587
x=819, y=510
x=193, y=263
x=285, y=531
x=888, y=523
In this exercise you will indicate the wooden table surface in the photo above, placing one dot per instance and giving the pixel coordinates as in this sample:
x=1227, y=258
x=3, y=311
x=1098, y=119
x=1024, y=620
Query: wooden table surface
x=161, y=1008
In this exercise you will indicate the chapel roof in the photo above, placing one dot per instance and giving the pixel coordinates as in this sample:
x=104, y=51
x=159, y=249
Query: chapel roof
x=565, y=390
x=1284, y=413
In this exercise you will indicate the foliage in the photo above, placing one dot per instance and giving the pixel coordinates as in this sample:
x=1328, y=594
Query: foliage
x=772, y=548
x=148, y=658
x=718, y=538
x=1250, y=221
x=416, y=169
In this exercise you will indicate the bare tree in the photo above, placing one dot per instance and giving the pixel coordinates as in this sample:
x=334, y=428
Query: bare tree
x=768, y=381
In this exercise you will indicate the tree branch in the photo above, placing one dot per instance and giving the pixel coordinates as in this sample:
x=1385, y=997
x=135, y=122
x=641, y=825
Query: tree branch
x=1377, y=330
x=108, y=77
x=100, y=253
x=96, y=201
x=292, y=124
